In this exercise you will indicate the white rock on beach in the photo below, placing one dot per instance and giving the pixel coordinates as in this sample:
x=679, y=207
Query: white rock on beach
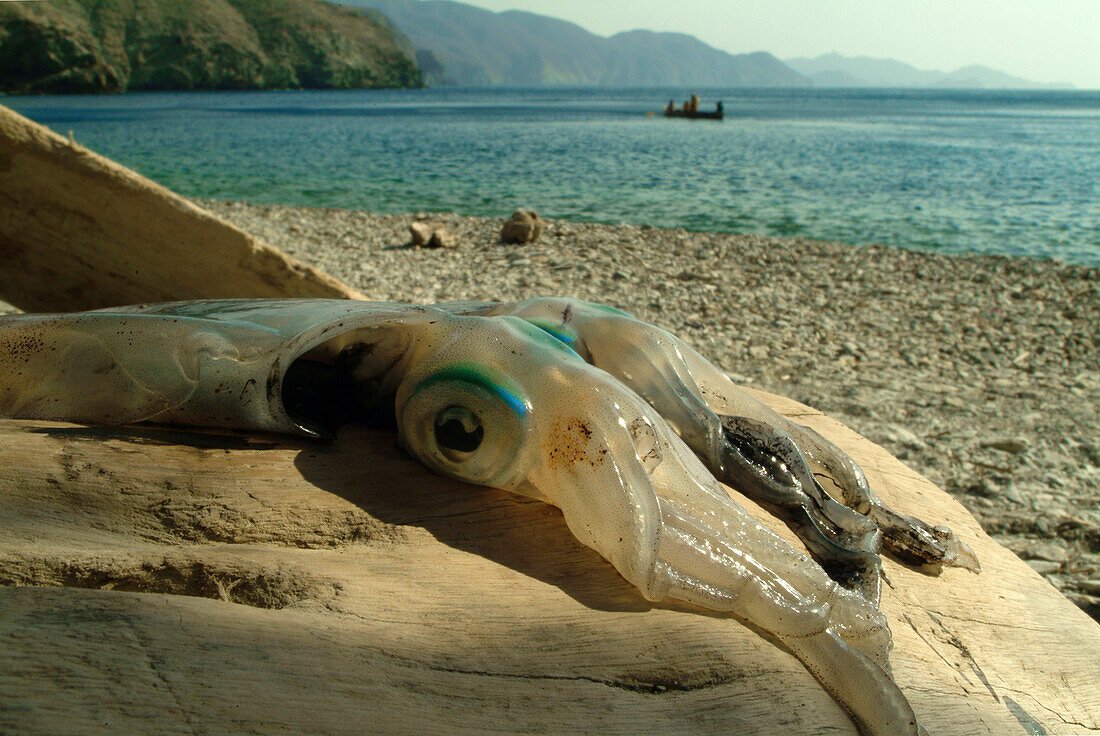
x=421, y=233
x=426, y=235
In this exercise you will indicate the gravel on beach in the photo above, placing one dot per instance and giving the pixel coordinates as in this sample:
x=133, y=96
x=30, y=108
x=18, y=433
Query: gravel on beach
x=980, y=372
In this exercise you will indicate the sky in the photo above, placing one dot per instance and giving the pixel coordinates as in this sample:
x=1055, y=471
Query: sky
x=1039, y=40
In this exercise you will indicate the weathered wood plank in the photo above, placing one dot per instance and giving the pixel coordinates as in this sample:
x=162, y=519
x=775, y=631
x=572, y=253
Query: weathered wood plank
x=79, y=231
x=372, y=596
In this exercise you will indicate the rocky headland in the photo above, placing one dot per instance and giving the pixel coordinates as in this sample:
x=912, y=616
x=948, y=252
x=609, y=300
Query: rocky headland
x=86, y=46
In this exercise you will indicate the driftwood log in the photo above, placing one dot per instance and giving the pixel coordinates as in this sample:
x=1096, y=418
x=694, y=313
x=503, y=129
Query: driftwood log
x=79, y=231
x=159, y=580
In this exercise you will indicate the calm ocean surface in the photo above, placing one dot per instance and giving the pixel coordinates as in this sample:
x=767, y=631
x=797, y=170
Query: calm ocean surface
x=1000, y=172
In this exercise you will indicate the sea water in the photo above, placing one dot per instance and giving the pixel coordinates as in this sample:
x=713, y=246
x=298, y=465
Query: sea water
x=1015, y=173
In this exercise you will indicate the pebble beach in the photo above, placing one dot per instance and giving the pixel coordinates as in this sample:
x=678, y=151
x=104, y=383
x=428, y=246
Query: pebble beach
x=980, y=372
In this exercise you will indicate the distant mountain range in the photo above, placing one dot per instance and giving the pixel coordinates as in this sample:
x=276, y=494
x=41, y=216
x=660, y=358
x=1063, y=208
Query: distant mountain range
x=464, y=45
x=834, y=70
x=115, y=45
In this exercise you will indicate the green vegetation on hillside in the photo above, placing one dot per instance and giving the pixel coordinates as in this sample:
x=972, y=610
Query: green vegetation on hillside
x=66, y=46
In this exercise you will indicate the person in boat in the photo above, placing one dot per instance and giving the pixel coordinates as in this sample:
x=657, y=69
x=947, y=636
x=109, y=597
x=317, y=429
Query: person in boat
x=719, y=107
x=693, y=101
x=670, y=108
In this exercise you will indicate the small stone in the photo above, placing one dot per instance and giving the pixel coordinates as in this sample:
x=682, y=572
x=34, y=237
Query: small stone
x=421, y=233
x=903, y=435
x=1013, y=493
x=981, y=487
x=525, y=226
x=1090, y=586
x=1044, y=567
x=1013, y=446
x=1046, y=552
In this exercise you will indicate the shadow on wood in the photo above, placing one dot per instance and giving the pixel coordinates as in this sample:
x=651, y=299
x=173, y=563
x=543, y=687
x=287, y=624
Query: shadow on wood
x=165, y=581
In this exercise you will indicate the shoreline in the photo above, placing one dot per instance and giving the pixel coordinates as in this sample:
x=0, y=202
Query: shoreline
x=979, y=371
x=701, y=230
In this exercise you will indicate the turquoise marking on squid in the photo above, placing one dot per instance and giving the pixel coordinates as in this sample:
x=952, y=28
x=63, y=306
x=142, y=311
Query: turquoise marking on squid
x=561, y=337
x=485, y=378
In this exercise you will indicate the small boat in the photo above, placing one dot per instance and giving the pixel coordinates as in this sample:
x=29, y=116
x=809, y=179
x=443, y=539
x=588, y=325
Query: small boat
x=696, y=114
x=691, y=110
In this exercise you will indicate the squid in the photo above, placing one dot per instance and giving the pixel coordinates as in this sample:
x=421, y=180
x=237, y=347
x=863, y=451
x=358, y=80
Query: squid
x=619, y=424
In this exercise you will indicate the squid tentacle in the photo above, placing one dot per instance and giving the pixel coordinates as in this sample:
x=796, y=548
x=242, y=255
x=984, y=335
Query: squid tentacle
x=695, y=397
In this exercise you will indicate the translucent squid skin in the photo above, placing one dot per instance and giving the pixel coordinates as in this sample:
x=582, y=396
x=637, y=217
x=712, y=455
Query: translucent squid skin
x=708, y=410
x=578, y=405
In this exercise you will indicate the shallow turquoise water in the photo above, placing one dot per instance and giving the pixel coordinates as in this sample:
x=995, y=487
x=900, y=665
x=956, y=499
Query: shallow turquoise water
x=1001, y=172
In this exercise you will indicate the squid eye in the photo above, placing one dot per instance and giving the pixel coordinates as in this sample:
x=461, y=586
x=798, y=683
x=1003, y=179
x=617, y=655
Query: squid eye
x=467, y=421
x=458, y=432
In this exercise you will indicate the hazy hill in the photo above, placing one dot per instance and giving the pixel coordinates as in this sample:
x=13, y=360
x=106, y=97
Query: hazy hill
x=834, y=70
x=476, y=47
x=646, y=58
x=115, y=45
x=982, y=77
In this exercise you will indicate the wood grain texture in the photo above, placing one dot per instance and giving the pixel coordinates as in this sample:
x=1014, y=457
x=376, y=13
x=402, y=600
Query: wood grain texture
x=79, y=231
x=165, y=581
